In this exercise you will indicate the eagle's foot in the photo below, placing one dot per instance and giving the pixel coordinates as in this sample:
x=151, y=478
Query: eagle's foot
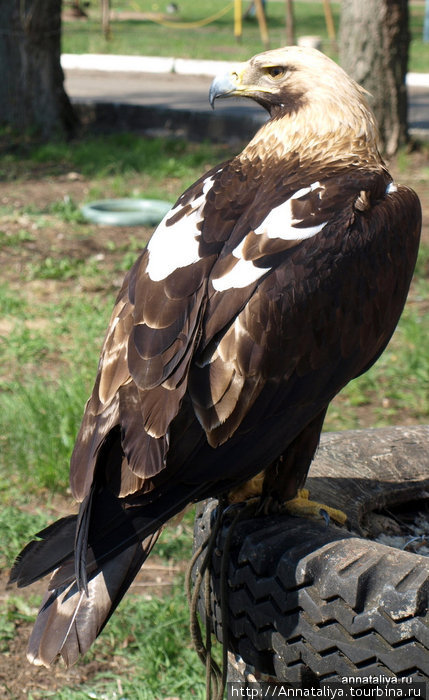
x=250, y=489
x=302, y=506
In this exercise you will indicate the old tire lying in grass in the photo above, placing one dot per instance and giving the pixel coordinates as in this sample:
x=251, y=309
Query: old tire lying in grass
x=311, y=601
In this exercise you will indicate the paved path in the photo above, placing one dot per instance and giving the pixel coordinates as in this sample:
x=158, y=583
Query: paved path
x=164, y=90
x=184, y=92
x=418, y=106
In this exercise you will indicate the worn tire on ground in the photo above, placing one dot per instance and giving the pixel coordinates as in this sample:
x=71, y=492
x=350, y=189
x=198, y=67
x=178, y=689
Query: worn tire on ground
x=310, y=601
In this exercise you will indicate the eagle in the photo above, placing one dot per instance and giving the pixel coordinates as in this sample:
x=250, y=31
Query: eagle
x=276, y=278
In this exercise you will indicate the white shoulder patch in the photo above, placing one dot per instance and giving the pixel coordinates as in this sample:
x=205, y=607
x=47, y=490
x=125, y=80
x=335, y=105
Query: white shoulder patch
x=280, y=222
x=242, y=274
x=391, y=187
x=176, y=246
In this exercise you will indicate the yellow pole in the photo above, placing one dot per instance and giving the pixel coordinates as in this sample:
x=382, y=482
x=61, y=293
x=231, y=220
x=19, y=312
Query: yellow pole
x=329, y=19
x=238, y=21
x=262, y=23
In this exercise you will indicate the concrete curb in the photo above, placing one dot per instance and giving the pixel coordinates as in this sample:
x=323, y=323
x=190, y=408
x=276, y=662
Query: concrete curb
x=418, y=80
x=143, y=64
x=162, y=64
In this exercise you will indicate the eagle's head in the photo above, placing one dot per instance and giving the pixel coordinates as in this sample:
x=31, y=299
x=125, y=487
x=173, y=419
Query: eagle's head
x=315, y=94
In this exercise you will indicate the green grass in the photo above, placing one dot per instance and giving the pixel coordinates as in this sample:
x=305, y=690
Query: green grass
x=170, y=666
x=175, y=542
x=15, y=611
x=215, y=40
x=67, y=210
x=16, y=527
x=120, y=155
x=111, y=161
x=64, y=268
x=21, y=236
x=39, y=423
x=144, y=651
x=419, y=50
x=49, y=367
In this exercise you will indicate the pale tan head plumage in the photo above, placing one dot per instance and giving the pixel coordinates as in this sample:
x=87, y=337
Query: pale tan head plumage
x=320, y=107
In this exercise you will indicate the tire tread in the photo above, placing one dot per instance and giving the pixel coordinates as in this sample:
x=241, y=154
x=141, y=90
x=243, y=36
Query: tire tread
x=305, y=596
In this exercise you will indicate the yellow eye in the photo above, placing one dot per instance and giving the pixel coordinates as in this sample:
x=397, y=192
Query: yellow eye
x=275, y=72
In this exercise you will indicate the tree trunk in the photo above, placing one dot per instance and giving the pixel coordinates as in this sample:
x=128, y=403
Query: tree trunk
x=105, y=18
x=290, y=24
x=32, y=95
x=374, y=41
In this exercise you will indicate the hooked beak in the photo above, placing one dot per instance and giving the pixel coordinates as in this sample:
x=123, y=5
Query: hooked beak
x=222, y=86
x=240, y=82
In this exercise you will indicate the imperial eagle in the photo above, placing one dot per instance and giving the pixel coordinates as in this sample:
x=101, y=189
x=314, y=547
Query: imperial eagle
x=277, y=277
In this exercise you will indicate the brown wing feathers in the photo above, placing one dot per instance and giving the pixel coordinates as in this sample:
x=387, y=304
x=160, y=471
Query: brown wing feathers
x=277, y=277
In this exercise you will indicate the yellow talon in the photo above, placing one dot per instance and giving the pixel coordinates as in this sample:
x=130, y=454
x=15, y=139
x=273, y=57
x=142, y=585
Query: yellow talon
x=303, y=507
x=250, y=489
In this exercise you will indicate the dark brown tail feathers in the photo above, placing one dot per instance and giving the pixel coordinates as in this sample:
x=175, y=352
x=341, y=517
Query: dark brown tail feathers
x=94, y=558
x=70, y=619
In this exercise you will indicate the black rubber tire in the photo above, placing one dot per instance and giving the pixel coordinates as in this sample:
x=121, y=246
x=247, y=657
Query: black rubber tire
x=310, y=600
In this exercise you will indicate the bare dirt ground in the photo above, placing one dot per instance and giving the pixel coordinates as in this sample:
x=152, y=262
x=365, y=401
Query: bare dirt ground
x=18, y=678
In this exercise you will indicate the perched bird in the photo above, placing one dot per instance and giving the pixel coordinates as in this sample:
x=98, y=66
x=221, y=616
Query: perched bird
x=277, y=277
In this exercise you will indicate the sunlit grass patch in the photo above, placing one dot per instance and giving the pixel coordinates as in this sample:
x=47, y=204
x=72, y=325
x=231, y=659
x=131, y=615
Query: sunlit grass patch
x=148, y=652
x=38, y=426
x=122, y=154
x=192, y=38
x=17, y=527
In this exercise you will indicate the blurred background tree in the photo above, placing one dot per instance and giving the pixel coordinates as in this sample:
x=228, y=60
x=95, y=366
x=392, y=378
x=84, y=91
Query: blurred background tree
x=32, y=95
x=374, y=45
